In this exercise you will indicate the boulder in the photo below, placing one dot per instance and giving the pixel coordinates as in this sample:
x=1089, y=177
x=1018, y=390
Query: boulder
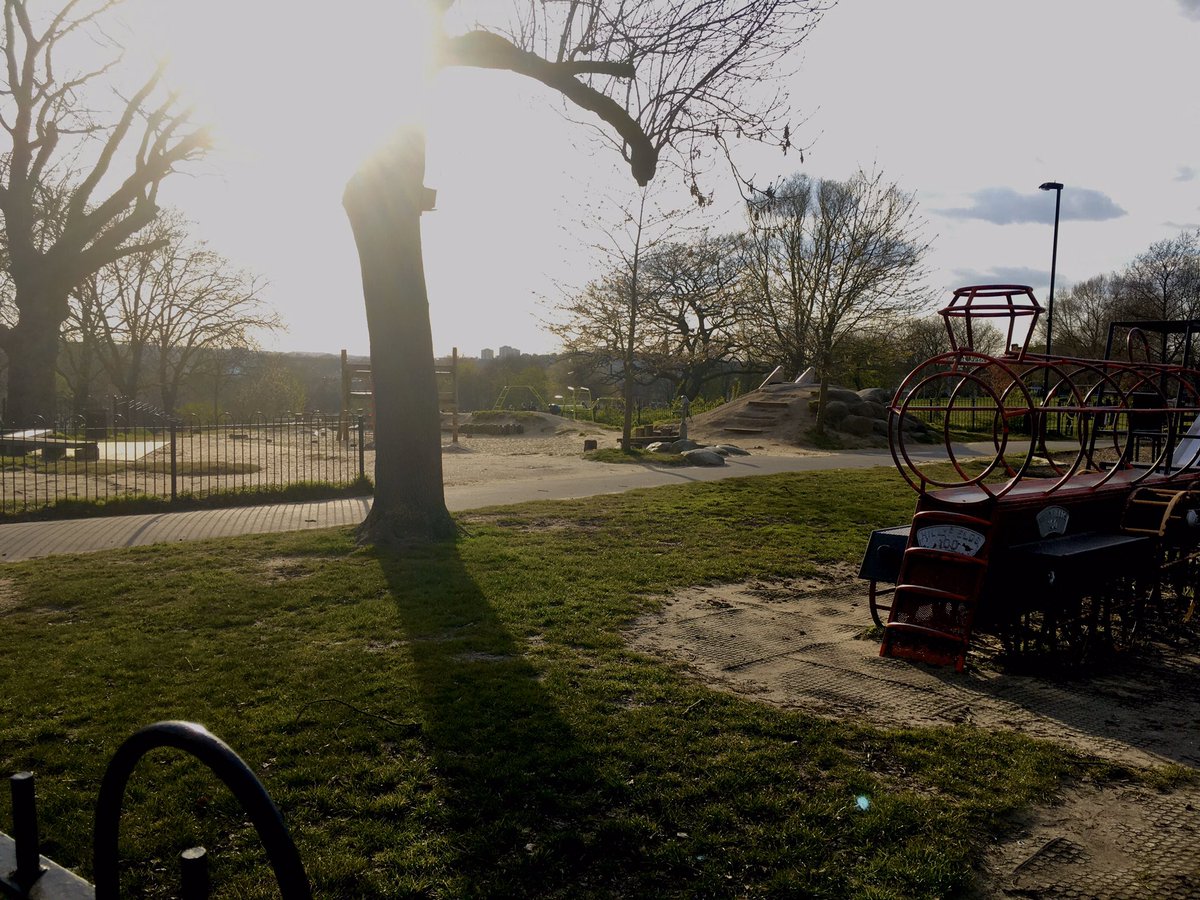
x=859, y=425
x=682, y=445
x=876, y=395
x=731, y=450
x=836, y=410
x=845, y=396
x=659, y=447
x=704, y=456
x=881, y=427
x=869, y=409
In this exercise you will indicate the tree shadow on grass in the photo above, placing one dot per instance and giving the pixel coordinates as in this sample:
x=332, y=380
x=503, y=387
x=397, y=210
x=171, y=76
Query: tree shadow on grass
x=521, y=790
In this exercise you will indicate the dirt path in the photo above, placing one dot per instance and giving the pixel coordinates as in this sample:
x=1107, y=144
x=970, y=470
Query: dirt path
x=800, y=644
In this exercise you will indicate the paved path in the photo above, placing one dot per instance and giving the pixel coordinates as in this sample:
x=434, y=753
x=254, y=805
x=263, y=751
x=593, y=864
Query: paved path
x=29, y=540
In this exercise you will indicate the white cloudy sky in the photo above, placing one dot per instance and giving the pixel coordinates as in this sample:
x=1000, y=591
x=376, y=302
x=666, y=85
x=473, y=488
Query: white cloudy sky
x=969, y=103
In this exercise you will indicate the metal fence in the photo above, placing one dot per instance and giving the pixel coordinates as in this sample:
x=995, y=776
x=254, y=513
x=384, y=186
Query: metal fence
x=980, y=414
x=46, y=464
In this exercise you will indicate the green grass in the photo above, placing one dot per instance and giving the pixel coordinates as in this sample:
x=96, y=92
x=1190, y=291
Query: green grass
x=467, y=720
x=635, y=455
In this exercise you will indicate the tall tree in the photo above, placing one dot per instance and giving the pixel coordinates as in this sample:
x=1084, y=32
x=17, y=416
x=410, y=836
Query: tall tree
x=53, y=128
x=700, y=297
x=858, y=258
x=1081, y=317
x=156, y=314
x=659, y=76
x=1163, y=282
x=605, y=323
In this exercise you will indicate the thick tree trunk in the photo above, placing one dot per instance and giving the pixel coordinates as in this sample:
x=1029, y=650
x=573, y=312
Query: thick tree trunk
x=32, y=349
x=384, y=201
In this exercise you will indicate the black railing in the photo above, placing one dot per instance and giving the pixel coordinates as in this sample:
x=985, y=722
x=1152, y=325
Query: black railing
x=25, y=874
x=148, y=456
x=981, y=415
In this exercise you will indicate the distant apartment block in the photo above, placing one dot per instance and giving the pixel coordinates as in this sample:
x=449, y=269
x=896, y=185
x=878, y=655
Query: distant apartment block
x=487, y=353
x=507, y=352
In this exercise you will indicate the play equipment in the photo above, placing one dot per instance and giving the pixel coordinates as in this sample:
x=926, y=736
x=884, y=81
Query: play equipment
x=508, y=389
x=358, y=394
x=1080, y=529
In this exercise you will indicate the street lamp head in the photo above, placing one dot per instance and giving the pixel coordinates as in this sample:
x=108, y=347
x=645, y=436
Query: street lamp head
x=1050, y=186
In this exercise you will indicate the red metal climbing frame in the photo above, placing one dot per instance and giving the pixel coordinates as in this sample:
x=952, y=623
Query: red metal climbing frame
x=1078, y=525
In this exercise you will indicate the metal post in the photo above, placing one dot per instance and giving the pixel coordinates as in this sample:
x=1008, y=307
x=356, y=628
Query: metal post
x=454, y=388
x=362, y=449
x=25, y=830
x=1057, y=188
x=193, y=874
x=174, y=464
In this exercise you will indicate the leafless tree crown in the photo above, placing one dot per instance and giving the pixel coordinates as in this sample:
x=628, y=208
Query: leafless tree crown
x=665, y=75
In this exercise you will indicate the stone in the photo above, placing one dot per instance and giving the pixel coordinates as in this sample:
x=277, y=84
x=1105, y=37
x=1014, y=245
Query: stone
x=659, y=447
x=731, y=450
x=704, y=456
x=835, y=411
x=859, y=425
x=683, y=445
x=845, y=396
x=876, y=395
x=869, y=409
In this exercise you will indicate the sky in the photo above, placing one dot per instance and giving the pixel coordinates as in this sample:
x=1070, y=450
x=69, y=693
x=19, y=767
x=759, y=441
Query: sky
x=968, y=104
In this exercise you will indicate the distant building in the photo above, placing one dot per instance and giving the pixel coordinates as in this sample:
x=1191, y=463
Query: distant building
x=487, y=353
x=507, y=352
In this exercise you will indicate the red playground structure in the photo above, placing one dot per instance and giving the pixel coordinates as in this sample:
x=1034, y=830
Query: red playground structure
x=1079, y=529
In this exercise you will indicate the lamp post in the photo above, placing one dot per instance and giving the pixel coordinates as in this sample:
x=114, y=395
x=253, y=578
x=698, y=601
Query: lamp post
x=1057, y=188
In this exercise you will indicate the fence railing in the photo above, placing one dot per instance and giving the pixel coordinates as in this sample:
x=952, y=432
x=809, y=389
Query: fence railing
x=27, y=875
x=980, y=414
x=47, y=463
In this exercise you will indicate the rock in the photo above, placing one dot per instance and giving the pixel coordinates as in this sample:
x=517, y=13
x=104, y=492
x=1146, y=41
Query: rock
x=860, y=425
x=845, y=396
x=704, y=456
x=876, y=395
x=731, y=450
x=659, y=447
x=869, y=409
x=912, y=423
x=683, y=445
x=881, y=427
x=836, y=410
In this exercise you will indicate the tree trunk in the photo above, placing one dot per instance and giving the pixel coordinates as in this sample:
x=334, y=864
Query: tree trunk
x=384, y=201
x=32, y=349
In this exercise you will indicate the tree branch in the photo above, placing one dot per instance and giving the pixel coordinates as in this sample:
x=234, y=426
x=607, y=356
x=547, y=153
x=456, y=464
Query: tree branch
x=484, y=50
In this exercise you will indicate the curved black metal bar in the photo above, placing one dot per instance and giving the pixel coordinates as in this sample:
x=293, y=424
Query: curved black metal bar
x=225, y=764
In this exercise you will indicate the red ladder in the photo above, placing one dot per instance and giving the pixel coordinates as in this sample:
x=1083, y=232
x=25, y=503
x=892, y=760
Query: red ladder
x=938, y=589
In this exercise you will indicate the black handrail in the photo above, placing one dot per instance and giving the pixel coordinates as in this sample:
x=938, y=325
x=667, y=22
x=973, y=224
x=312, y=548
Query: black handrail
x=225, y=764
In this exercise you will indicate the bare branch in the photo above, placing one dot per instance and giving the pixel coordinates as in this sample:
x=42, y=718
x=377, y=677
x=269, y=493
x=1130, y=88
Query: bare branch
x=481, y=49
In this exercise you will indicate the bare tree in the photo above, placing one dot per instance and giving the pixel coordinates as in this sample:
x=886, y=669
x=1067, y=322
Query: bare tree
x=700, y=297
x=159, y=312
x=660, y=77
x=1081, y=318
x=53, y=130
x=1163, y=282
x=605, y=322
x=858, y=259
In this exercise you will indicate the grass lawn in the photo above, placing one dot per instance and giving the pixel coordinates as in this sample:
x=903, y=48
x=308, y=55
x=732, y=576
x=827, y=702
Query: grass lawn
x=489, y=732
